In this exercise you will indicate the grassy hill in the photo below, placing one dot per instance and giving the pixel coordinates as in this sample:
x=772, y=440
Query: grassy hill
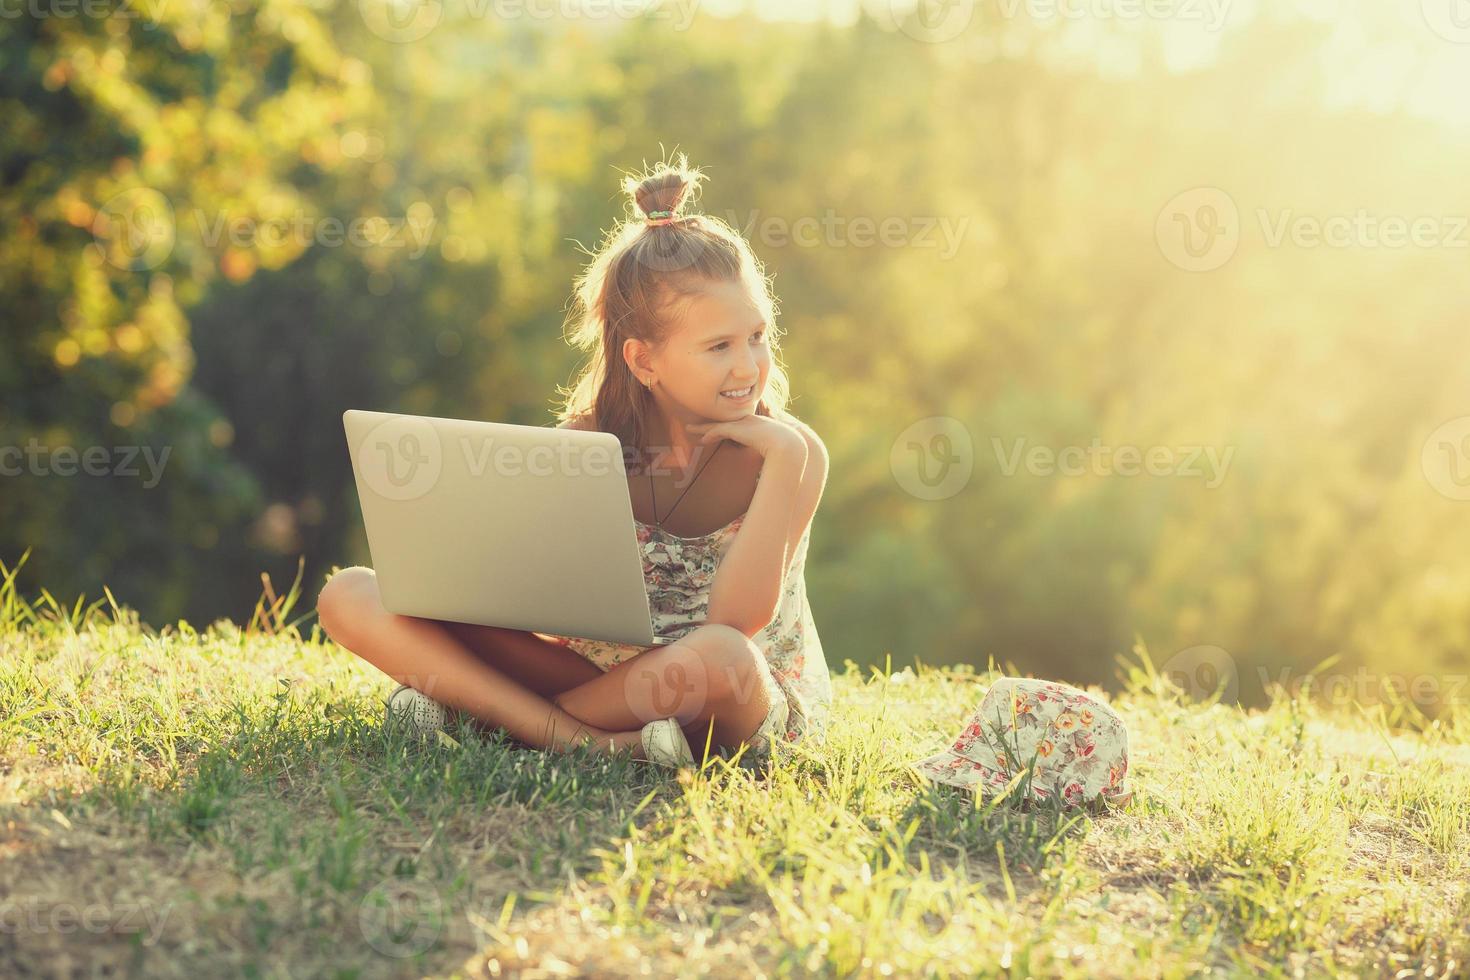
x=228, y=802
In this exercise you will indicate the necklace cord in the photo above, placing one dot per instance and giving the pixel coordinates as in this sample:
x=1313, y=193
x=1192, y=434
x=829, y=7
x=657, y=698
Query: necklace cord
x=656, y=521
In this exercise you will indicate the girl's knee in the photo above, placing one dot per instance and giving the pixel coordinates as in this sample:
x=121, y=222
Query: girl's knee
x=732, y=661
x=349, y=597
x=709, y=668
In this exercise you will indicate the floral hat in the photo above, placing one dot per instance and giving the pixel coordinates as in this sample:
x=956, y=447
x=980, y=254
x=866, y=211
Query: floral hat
x=1077, y=745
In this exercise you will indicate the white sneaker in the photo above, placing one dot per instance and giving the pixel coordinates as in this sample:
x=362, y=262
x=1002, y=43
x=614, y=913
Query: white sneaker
x=664, y=744
x=417, y=710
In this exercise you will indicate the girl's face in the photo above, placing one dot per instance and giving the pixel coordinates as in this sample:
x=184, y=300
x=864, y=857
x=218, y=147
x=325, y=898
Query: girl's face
x=717, y=345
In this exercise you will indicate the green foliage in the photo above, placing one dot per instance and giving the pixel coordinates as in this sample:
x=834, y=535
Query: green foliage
x=1052, y=320
x=125, y=135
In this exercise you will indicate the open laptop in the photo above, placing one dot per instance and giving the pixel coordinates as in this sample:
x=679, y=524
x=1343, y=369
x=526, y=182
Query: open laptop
x=520, y=526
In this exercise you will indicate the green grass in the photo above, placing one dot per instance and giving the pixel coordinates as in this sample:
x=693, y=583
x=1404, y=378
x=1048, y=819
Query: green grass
x=228, y=802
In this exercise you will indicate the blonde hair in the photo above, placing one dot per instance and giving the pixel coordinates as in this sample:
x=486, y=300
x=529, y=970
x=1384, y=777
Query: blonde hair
x=640, y=274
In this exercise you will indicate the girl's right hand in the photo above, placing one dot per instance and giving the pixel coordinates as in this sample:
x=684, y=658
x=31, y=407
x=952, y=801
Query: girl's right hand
x=762, y=433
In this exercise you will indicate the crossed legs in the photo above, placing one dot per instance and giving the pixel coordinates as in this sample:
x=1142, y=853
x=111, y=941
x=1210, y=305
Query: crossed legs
x=546, y=695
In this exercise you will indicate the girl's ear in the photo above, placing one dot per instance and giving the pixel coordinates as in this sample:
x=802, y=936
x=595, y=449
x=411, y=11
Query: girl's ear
x=635, y=356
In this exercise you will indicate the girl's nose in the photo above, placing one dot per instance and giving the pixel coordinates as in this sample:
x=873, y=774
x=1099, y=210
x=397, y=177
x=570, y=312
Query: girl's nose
x=752, y=366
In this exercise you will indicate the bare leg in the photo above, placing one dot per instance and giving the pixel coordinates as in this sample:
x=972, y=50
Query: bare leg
x=540, y=665
x=424, y=655
x=732, y=703
x=534, y=662
x=714, y=675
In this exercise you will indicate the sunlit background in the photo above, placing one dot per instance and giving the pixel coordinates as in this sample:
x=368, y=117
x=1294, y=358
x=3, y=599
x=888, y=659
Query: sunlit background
x=1125, y=322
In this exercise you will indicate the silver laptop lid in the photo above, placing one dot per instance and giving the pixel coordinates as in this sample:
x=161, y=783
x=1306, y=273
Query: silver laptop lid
x=519, y=526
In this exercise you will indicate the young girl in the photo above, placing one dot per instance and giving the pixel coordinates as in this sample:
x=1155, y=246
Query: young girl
x=678, y=319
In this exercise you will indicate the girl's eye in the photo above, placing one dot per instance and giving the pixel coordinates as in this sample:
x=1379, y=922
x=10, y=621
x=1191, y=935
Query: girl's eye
x=725, y=343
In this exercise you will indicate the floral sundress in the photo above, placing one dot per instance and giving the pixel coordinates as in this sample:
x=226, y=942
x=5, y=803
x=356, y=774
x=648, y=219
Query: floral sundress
x=678, y=573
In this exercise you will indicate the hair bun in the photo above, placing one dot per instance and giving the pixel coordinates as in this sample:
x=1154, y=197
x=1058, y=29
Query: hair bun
x=667, y=187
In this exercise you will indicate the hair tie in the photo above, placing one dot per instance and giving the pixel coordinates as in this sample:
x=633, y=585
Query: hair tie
x=661, y=217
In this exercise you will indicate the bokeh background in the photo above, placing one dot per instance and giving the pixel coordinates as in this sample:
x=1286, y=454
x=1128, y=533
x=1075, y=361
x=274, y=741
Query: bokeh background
x=1123, y=320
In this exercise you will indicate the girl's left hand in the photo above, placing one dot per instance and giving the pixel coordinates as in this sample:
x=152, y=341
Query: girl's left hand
x=762, y=433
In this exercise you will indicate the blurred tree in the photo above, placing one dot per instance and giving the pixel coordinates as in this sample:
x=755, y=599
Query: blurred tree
x=126, y=139
x=1025, y=165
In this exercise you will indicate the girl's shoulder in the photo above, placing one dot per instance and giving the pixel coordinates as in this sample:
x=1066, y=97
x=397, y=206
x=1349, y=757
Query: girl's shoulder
x=816, y=448
x=585, y=422
x=789, y=417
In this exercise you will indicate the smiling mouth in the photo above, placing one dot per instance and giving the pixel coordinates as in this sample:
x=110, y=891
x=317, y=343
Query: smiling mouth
x=738, y=394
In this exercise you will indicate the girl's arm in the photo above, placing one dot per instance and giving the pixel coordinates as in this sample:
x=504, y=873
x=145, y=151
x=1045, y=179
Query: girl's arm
x=747, y=590
x=813, y=482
